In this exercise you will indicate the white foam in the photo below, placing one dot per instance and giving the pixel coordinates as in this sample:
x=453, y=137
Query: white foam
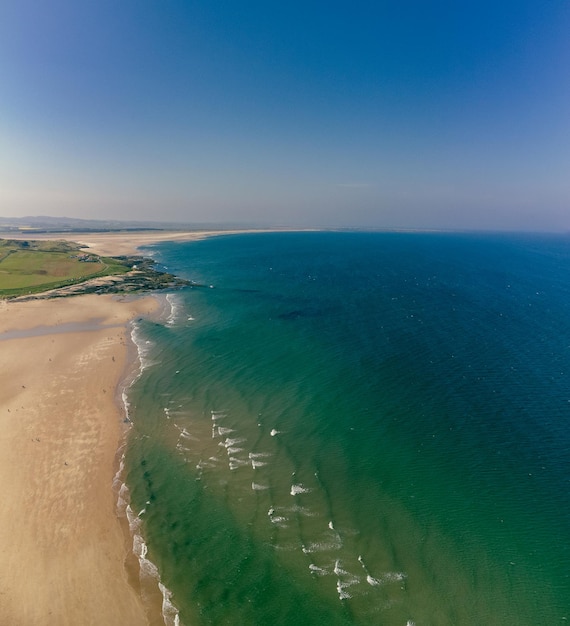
x=134, y=521
x=259, y=455
x=169, y=611
x=176, y=305
x=143, y=348
x=321, y=546
x=122, y=500
x=139, y=547
x=393, y=577
x=233, y=442
x=225, y=431
x=235, y=463
x=147, y=569
x=186, y=435
x=342, y=594
x=126, y=404
x=388, y=577
x=234, y=450
x=208, y=464
x=297, y=489
x=121, y=489
x=258, y=487
x=319, y=571
x=278, y=520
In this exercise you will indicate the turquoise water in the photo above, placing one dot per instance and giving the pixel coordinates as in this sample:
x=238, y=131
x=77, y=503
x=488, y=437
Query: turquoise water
x=359, y=428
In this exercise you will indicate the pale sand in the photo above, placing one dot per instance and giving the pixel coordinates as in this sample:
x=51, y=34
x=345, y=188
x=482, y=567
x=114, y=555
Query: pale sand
x=123, y=243
x=62, y=547
x=116, y=244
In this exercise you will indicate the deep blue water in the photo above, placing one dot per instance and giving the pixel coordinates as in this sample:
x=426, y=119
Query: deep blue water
x=359, y=428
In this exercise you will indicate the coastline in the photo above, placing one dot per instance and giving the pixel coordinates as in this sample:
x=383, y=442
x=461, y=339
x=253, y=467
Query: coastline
x=121, y=243
x=479, y=571
x=63, y=549
x=66, y=557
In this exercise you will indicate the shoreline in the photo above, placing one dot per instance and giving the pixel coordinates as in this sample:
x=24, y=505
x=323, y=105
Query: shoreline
x=67, y=554
x=147, y=587
x=121, y=243
x=63, y=550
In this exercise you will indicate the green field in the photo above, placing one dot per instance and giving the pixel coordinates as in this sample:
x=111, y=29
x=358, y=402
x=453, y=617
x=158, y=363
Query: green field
x=34, y=266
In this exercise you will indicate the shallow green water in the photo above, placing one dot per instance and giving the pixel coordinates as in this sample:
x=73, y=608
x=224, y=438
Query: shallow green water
x=359, y=429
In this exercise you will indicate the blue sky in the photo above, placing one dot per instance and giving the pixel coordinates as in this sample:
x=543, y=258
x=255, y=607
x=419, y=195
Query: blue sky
x=379, y=114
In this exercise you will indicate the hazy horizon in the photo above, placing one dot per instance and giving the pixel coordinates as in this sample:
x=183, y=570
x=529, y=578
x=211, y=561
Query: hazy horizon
x=365, y=115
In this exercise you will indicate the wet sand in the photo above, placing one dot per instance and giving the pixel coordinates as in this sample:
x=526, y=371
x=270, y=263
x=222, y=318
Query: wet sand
x=64, y=555
x=62, y=547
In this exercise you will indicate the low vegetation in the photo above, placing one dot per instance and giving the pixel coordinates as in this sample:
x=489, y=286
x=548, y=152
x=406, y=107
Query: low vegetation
x=32, y=267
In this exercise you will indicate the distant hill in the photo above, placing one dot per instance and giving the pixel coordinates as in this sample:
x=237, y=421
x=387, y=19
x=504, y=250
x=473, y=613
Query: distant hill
x=46, y=224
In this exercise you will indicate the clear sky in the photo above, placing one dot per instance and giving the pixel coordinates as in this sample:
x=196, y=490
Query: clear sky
x=413, y=114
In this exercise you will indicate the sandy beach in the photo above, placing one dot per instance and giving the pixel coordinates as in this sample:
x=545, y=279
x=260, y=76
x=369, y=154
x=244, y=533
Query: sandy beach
x=125, y=243
x=62, y=547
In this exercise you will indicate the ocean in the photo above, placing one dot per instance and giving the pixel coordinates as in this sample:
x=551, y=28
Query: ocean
x=348, y=428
